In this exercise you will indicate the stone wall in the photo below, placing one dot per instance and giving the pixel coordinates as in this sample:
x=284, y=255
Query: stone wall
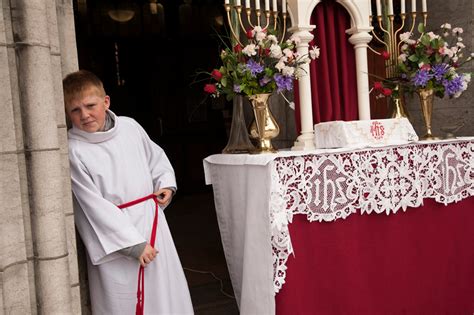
x=38, y=263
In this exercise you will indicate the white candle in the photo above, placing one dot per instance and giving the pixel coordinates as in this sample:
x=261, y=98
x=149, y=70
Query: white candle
x=237, y=2
x=402, y=7
x=257, y=4
x=379, y=8
x=226, y=1
x=275, y=8
x=283, y=6
x=390, y=7
x=413, y=5
x=267, y=5
x=247, y=4
x=423, y=6
x=370, y=8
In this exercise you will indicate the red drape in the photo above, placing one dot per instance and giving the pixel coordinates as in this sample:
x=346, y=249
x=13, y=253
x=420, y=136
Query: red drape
x=417, y=262
x=333, y=75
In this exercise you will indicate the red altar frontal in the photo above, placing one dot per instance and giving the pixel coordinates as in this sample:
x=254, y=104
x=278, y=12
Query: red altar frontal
x=393, y=231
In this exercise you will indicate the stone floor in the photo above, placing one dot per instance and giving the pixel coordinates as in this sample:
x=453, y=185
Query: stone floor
x=193, y=223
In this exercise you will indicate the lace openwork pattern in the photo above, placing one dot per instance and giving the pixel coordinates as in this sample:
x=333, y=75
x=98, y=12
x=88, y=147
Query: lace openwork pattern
x=327, y=187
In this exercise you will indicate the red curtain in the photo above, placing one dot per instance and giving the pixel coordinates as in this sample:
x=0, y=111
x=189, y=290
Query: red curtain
x=333, y=75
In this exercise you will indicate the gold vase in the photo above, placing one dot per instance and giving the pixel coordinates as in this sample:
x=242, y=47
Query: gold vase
x=397, y=107
x=426, y=102
x=265, y=127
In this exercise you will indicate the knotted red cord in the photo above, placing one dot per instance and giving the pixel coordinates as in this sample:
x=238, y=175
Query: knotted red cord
x=139, y=310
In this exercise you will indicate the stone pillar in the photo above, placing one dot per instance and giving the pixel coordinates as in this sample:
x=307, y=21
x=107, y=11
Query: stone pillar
x=34, y=28
x=360, y=39
x=305, y=140
x=15, y=290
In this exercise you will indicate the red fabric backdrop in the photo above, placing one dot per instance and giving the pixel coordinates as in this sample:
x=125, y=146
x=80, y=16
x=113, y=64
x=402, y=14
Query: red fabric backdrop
x=418, y=262
x=333, y=75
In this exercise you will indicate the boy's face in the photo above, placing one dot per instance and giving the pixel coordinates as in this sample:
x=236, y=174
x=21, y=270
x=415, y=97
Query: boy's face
x=87, y=112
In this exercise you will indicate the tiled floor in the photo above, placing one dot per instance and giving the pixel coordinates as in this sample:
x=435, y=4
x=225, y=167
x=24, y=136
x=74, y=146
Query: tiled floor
x=193, y=223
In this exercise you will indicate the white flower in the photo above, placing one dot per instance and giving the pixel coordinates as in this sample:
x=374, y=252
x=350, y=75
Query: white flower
x=249, y=50
x=280, y=65
x=446, y=26
x=275, y=51
x=260, y=36
x=454, y=49
x=288, y=71
x=445, y=34
x=272, y=39
x=457, y=30
x=472, y=54
x=256, y=29
x=314, y=52
x=460, y=45
x=404, y=47
x=405, y=36
x=402, y=57
x=448, y=52
x=455, y=58
x=467, y=77
x=459, y=39
x=432, y=35
x=410, y=41
x=288, y=52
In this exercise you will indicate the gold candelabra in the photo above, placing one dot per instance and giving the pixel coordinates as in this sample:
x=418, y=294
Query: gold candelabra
x=385, y=21
x=255, y=16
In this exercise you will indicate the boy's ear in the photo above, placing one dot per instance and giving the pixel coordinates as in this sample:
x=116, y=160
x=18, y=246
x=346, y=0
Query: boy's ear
x=107, y=102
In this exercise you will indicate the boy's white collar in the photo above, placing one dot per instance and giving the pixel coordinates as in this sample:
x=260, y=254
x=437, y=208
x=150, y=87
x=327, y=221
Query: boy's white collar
x=95, y=137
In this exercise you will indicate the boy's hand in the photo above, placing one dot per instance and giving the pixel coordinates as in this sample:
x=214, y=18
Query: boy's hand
x=164, y=196
x=149, y=253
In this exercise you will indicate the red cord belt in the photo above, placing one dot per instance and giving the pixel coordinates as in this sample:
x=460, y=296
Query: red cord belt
x=139, y=310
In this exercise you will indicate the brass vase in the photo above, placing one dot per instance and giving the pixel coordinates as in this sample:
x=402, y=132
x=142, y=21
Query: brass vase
x=265, y=127
x=397, y=107
x=426, y=102
x=239, y=141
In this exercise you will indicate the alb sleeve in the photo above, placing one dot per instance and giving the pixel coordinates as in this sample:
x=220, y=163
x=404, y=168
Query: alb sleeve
x=103, y=227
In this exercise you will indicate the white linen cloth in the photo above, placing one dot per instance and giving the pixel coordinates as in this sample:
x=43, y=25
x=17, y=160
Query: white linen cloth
x=108, y=169
x=363, y=133
x=257, y=195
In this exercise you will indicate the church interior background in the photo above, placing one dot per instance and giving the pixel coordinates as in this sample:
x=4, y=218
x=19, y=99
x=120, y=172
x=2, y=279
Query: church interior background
x=148, y=65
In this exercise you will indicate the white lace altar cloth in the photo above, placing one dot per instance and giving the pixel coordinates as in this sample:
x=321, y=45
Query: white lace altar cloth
x=327, y=187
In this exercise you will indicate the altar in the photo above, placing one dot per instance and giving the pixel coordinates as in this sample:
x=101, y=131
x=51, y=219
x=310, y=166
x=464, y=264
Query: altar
x=385, y=230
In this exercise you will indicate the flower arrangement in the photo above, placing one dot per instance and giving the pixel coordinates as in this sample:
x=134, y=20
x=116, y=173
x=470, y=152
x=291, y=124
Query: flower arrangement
x=262, y=66
x=431, y=62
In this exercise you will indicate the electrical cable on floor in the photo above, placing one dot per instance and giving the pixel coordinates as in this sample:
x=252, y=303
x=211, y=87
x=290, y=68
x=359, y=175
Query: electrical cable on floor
x=215, y=277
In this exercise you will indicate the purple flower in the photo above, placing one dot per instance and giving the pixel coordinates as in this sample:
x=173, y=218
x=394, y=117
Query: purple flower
x=421, y=77
x=254, y=67
x=264, y=81
x=439, y=71
x=454, y=86
x=237, y=88
x=283, y=82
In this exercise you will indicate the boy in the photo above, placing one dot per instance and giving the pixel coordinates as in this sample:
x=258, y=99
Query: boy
x=114, y=162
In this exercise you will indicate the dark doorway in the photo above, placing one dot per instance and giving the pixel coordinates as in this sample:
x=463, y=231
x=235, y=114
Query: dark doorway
x=148, y=65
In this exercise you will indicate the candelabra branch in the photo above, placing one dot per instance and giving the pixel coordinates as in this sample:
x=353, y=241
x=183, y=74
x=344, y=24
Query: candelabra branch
x=229, y=19
x=249, y=12
x=284, y=28
x=267, y=15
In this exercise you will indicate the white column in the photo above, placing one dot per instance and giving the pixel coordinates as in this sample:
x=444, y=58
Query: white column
x=360, y=40
x=305, y=140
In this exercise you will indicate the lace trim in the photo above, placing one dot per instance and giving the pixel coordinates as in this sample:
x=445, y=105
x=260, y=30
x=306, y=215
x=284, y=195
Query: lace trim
x=328, y=187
